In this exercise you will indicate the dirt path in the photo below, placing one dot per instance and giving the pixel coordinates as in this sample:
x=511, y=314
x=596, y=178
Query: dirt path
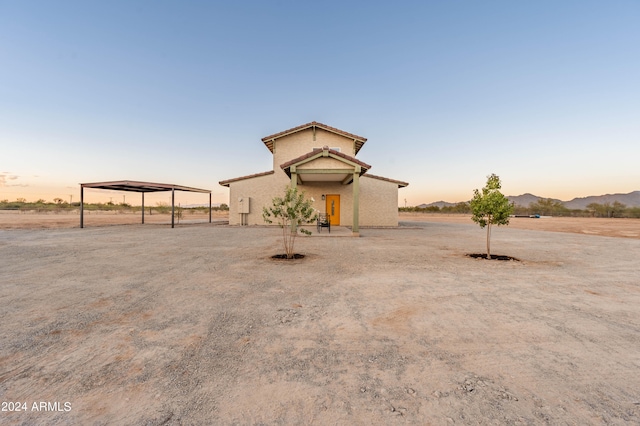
x=627, y=228
x=196, y=325
x=617, y=227
x=33, y=220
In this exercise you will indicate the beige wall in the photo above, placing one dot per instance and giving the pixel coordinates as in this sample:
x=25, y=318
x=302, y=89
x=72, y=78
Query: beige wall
x=261, y=190
x=292, y=146
x=316, y=189
x=325, y=163
x=378, y=202
x=378, y=199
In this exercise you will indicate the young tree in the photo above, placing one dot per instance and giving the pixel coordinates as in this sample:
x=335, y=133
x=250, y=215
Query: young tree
x=290, y=212
x=490, y=207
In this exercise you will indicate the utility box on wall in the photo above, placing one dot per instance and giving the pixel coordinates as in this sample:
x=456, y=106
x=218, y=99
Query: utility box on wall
x=243, y=205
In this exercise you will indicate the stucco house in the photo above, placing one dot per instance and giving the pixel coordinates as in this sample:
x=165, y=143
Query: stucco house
x=320, y=160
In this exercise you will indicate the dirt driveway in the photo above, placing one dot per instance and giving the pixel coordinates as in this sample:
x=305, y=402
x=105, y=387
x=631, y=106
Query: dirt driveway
x=57, y=220
x=197, y=325
x=609, y=227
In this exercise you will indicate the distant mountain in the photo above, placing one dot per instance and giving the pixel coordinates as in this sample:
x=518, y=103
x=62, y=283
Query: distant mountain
x=439, y=204
x=525, y=199
x=632, y=199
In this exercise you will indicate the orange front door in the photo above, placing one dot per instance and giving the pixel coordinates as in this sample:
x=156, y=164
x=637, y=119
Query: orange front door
x=333, y=208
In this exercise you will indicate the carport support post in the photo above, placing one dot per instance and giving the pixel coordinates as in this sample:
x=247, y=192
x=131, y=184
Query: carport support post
x=356, y=202
x=81, y=206
x=173, y=201
x=142, y=207
x=209, y=207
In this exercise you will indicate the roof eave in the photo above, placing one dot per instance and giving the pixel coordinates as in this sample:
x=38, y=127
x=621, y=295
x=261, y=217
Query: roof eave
x=228, y=182
x=358, y=140
x=137, y=186
x=286, y=167
x=400, y=183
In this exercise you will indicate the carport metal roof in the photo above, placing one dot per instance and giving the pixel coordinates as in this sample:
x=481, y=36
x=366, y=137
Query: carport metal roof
x=134, y=186
x=142, y=187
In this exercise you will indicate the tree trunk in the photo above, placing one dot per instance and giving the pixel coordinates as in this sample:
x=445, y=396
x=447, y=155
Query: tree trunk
x=292, y=239
x=489, y=240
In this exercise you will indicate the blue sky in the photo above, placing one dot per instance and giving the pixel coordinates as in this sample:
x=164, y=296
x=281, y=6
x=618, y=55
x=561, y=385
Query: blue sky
x=546, y=94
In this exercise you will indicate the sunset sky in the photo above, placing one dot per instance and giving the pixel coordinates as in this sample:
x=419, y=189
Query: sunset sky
x=546, y=94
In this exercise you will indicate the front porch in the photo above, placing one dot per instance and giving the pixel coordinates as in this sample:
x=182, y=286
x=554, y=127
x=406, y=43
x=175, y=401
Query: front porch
x=325, y=167
x=336, y=231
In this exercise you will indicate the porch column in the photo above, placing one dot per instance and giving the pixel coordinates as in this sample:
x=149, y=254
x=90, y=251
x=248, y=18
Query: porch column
x=142, y=207
x=355, y=230
x=294, y=177
x=173, y=202
x=81, y=206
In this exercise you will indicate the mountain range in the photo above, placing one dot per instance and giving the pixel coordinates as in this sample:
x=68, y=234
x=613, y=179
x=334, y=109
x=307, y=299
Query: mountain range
x=632, y=199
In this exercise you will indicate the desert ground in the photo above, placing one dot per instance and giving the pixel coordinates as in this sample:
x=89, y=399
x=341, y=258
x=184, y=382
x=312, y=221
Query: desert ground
x=144, y=324
x=34, y=220
x=627, y=228
x=614, y=227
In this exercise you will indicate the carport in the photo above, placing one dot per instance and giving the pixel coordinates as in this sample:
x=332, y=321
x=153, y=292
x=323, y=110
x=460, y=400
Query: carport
x=142, y=187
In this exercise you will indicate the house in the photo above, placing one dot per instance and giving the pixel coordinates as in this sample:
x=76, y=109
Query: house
x=321, y=161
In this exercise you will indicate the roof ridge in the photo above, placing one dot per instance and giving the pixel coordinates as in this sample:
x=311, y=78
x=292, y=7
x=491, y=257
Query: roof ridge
x=358, y=141
x=312, y=124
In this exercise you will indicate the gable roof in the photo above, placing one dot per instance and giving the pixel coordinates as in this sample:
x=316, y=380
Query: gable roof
x=229, y=181
x=341, y=174
x=286, y=166
x=400, y=183
x=359, y=140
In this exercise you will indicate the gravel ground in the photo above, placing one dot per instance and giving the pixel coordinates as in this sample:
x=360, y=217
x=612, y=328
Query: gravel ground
x=10, y=219
x=197, y=325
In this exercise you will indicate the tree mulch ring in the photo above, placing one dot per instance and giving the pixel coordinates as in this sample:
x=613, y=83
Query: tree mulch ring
x=284, y=256
x=493, y=256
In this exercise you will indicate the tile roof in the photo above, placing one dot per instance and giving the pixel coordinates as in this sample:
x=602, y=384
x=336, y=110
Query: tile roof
x=228, y=181
x=289, y=163
x=398, y=182
x=359, y=140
